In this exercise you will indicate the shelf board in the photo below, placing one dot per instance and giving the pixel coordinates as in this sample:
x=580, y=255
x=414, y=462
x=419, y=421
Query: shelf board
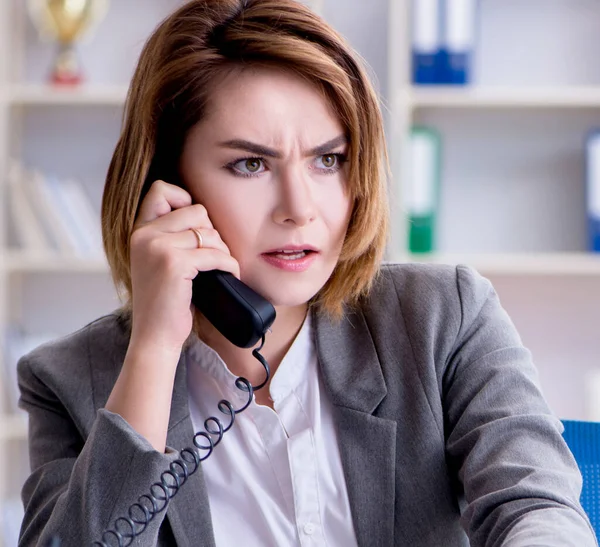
x=504, y=97
x=566, y=264
x=42, y=95
x=13, y=426
x=494, y=263
x=418, y=96
x=28, y=262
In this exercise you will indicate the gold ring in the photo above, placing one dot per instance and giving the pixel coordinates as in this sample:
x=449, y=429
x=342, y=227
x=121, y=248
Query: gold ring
x=198, y=237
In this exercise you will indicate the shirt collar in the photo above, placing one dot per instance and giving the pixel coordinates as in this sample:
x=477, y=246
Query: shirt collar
x=294, y=367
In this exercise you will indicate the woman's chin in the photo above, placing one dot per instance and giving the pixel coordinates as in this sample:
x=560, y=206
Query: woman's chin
x=280, y=298
x=285, y=291
x=288, y=301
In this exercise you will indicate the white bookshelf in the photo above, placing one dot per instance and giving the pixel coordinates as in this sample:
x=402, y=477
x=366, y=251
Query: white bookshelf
x=42, y=95
x=543, y=278
x=513, y=176
x=70, y=132
x=534, y=97
x=521, y=264
x=20, y=262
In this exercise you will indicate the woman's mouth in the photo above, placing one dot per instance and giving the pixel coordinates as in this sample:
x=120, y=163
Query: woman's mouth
x=291, y=260
x=289, y=255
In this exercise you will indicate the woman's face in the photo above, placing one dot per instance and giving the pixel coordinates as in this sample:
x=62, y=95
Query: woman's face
x=267, y=162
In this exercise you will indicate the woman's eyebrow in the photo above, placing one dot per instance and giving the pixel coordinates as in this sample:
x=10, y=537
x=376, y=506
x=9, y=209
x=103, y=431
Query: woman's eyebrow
x=260, y=150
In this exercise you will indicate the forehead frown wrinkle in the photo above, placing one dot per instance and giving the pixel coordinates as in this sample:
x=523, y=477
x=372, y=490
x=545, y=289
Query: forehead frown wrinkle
x=271, y=107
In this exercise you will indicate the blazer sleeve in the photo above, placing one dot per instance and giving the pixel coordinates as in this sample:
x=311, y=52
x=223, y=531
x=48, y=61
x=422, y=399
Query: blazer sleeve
x=521, y=482
x=78, y=487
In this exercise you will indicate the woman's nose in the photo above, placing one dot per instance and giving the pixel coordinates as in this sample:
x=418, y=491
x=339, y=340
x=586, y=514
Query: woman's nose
x=295, y=203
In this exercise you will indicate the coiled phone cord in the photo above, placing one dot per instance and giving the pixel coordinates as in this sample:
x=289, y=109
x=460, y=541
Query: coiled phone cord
x=141, y=513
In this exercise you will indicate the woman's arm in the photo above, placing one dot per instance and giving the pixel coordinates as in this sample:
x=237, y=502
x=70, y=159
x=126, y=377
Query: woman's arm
x=165, y=258
x=79, y=486
x=142, y=393
x=520, y=480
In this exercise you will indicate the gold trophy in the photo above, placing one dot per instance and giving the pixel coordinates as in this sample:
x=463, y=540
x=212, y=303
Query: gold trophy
x=66, y=21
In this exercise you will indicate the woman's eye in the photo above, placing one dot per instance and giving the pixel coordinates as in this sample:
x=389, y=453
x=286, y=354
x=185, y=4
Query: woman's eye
x=330, y=161
x=249, y=166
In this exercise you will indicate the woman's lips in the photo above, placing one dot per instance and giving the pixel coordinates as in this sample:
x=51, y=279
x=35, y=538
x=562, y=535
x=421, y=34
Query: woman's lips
x=291, y=262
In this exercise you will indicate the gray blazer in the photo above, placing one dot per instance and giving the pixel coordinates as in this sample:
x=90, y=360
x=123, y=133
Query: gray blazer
x=445, y=437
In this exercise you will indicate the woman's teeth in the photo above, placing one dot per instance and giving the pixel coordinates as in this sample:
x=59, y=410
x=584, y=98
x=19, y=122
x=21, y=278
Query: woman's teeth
x=294, y=255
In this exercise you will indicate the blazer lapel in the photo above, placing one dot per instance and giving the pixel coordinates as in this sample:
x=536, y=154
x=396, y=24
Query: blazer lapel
x=353, y=378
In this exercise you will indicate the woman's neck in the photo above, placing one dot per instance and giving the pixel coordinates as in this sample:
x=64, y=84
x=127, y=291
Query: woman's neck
x=241, y=362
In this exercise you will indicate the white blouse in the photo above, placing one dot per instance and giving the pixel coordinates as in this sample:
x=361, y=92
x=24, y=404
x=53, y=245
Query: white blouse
x=276, y=478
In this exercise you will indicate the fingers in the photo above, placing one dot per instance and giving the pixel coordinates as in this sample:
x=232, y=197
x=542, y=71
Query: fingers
x=164, y=225
x=170, y=209
x=161, y=199
x=192, y=216
x=188, y=240
x=213, y=259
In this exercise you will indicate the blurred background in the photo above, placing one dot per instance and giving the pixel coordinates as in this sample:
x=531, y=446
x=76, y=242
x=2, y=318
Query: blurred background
x=491, y=111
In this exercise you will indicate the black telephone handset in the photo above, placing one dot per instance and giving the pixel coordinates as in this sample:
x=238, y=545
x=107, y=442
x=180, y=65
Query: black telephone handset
x=243, y=317
x=238, y=313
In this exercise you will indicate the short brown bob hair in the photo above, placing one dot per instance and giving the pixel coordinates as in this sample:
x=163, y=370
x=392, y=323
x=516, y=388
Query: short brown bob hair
x=203, y=40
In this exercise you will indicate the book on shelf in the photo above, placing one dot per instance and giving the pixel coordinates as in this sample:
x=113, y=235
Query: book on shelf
x=79, y=213
x=443, y=41
x=426, y=41
x=458, y=41
x=592, y=153
x=423, y=188
x=56, y=215
x=28, y=229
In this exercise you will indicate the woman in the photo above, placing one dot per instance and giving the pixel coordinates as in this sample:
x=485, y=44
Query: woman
x=401, y=409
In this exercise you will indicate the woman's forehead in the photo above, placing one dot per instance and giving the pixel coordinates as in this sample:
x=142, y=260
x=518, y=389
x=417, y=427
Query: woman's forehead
x=271, y=107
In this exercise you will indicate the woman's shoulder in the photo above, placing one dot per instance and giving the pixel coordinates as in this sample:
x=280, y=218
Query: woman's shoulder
x=433, y=301
x=429, y=285
x=428, y=272
x=432, y=312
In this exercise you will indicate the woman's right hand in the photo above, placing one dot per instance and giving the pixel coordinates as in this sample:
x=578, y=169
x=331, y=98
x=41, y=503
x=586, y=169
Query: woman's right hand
x=165, y=258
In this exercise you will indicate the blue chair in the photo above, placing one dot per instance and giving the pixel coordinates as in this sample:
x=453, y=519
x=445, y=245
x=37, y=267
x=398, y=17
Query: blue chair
x=583, y=438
